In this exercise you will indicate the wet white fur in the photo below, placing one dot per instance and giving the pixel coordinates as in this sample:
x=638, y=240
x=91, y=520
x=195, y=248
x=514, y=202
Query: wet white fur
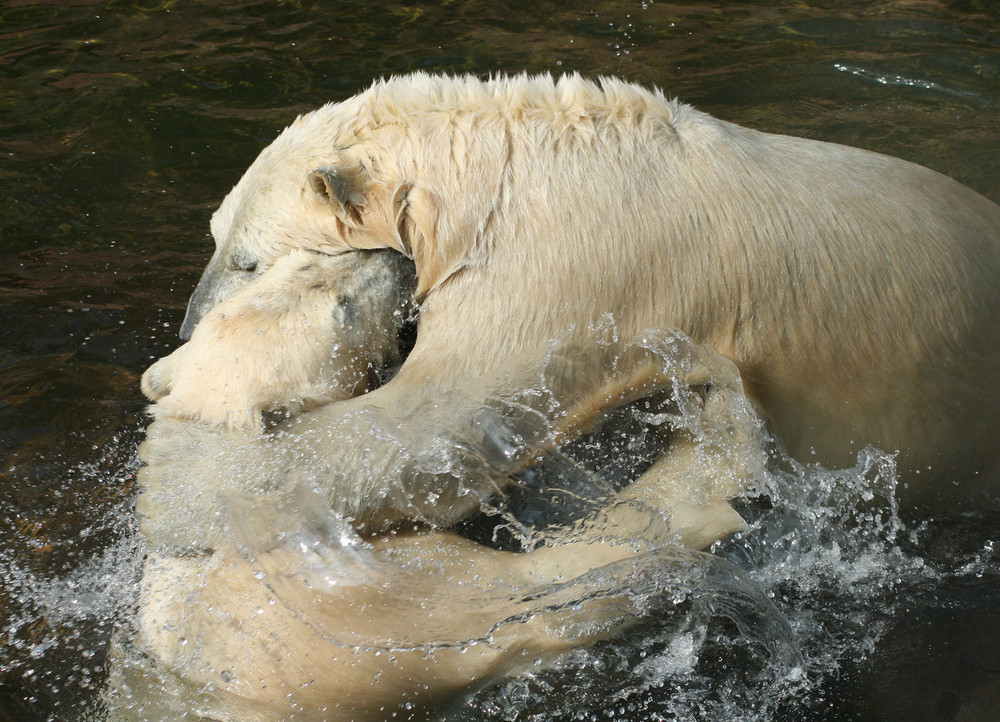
x=218, y=637
x=857, y=294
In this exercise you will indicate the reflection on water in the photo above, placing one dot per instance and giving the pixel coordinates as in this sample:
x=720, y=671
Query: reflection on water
x=122, y=124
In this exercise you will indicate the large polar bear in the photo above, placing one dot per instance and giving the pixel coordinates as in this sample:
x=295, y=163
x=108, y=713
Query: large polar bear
x=857, y=294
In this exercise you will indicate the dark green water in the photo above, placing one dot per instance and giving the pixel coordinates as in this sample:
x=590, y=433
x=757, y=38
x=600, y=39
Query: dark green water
x=122, y=125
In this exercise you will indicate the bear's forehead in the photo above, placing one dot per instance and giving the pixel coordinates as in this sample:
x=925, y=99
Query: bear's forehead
x=279, y=172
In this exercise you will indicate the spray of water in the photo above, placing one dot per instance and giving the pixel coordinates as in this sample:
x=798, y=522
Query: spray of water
x=754, y=628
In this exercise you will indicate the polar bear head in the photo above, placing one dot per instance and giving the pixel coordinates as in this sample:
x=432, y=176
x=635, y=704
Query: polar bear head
x=311, y=329
x=421, y=164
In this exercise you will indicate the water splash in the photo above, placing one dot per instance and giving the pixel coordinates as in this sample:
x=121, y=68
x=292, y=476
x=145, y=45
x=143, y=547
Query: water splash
x=56, y=623
x=827, y=548
x=759, y=627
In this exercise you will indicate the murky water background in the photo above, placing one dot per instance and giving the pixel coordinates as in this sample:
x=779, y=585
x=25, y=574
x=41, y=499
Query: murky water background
x=123, y=124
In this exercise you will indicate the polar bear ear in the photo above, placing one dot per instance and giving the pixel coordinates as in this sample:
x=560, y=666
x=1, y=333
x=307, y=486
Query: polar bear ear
x=344, y=188
x=419, y=222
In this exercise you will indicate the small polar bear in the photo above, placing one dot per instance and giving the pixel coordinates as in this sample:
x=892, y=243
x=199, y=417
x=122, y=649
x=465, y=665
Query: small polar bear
x=309, y=620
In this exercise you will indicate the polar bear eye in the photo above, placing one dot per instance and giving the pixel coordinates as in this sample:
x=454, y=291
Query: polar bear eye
x=244, y=262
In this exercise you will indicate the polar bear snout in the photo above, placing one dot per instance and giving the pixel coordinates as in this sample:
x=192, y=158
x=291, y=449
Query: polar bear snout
x=223, y=276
